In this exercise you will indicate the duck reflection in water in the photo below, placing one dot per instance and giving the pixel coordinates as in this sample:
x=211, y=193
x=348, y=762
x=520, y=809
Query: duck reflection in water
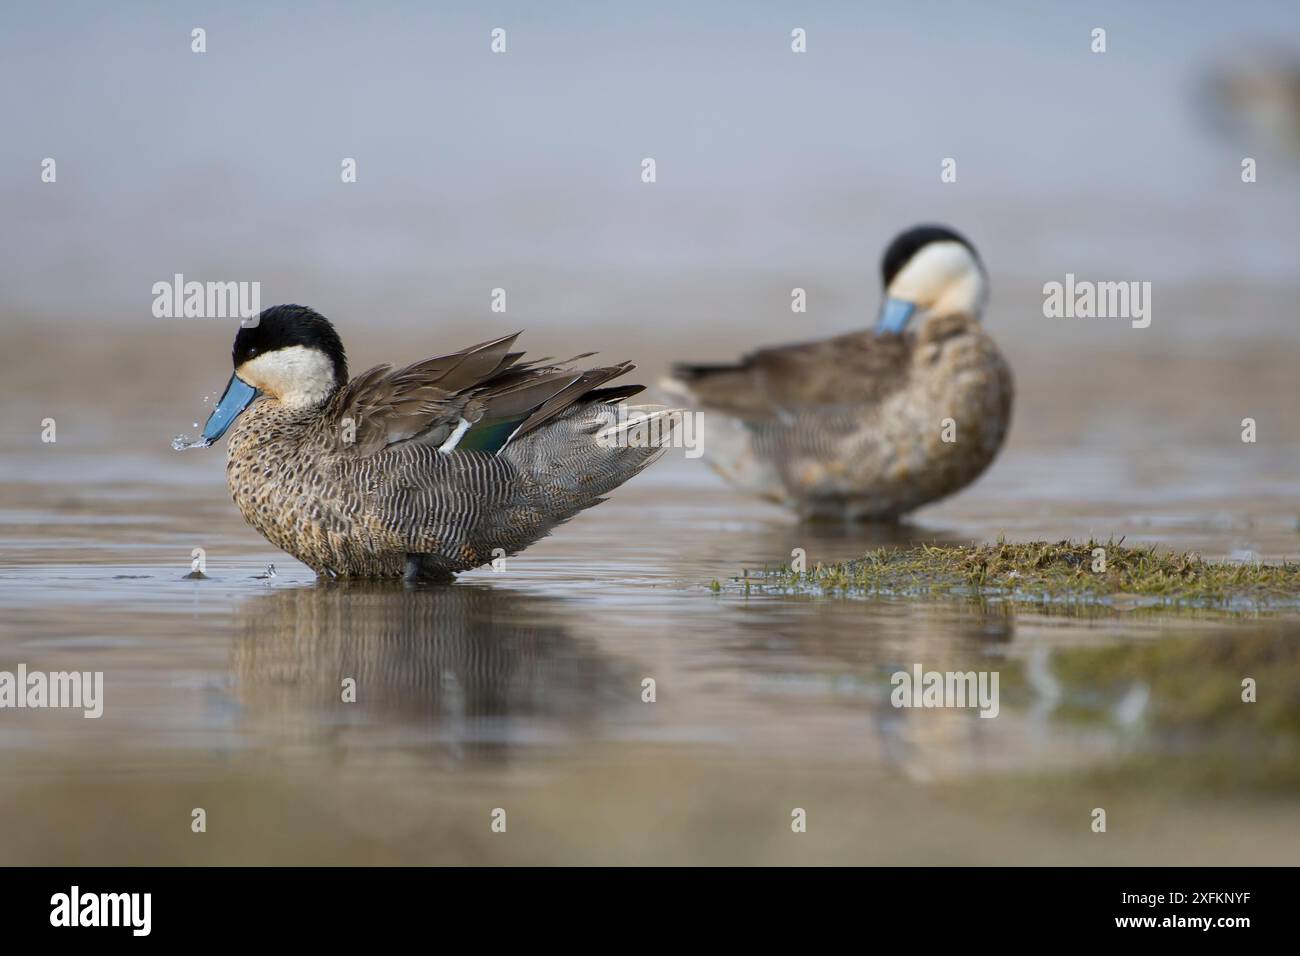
x=478, y=671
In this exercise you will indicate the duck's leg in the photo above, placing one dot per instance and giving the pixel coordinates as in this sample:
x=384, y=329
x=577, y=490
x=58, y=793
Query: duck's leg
x=420, y=570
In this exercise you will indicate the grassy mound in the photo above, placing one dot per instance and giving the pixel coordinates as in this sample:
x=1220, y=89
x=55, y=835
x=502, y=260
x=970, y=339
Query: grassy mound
x=1040, y=571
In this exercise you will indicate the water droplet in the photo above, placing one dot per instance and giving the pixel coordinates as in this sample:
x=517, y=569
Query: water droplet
x=181, y=442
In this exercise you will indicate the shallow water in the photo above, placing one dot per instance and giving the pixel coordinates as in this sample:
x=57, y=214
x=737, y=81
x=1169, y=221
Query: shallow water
x=521, y=689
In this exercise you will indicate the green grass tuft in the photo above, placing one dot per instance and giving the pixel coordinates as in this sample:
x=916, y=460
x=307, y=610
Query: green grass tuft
x=1041, y=571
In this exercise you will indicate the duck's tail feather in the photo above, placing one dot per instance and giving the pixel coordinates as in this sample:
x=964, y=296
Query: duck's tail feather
x=641, y=427
x=591, y=448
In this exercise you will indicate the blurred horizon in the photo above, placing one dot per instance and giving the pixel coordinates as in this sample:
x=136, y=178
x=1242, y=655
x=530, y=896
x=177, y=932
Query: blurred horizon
x=522, y=170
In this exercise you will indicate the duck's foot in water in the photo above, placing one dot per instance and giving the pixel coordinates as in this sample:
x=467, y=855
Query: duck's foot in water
x=420, y=569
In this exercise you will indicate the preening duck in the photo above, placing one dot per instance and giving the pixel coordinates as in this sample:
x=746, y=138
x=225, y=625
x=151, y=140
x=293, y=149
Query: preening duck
x=871, y=424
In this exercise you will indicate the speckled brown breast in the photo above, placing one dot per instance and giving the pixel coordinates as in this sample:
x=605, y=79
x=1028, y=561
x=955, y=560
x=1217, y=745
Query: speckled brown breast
x=291, y=488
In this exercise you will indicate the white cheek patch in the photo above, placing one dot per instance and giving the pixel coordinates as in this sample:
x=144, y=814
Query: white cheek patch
x=297, y=376
x=943, y=278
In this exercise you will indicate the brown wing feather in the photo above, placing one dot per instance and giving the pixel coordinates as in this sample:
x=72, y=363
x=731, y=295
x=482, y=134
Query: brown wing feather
x=859, y=367
x=587, y=382
x=425, y=401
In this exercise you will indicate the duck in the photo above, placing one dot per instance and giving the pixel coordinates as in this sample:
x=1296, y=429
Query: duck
x=872, y=424
x=425, y=471
x=1252, y=95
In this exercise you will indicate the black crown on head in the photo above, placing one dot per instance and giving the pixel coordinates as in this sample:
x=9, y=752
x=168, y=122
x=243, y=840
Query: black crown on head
x=909, y=243
x=284, y=326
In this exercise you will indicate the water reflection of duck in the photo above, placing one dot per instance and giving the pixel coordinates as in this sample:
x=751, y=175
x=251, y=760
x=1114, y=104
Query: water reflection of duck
x=933, y=744
x=476, y=666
